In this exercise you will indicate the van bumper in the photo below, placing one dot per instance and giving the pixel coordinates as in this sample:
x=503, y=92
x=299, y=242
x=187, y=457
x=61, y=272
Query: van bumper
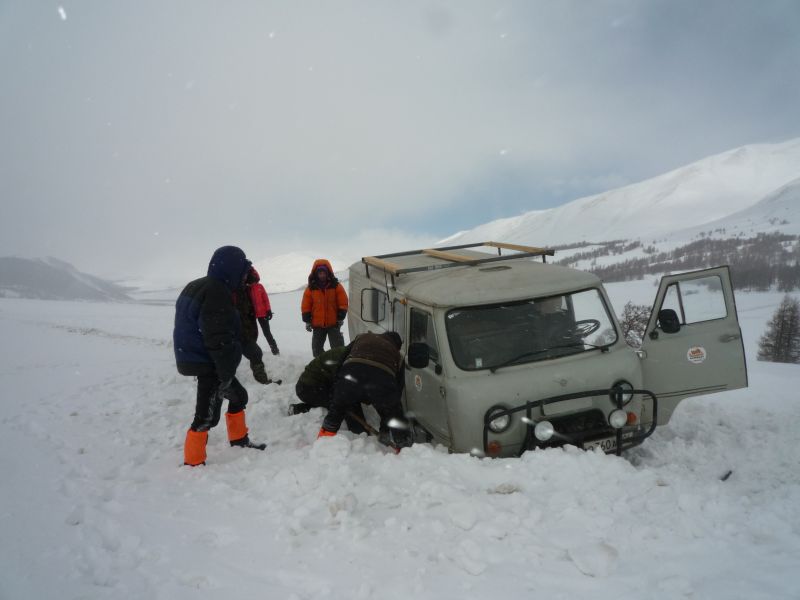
x=587, y=429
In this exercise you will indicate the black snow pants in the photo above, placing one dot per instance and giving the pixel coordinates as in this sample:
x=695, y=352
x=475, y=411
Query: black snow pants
x=209, y=402
x=359, y=383
x=334, y=335
x=264, y=322
x=320, y=397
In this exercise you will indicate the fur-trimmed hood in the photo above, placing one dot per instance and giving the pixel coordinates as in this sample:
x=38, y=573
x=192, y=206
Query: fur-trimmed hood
x=322, y=263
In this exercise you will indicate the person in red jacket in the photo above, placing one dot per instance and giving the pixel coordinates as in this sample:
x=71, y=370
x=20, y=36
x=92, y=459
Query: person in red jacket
x=324, y=307
x=261, y=307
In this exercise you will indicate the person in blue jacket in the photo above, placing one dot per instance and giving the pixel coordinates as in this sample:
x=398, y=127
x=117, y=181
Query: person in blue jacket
x=207, y=343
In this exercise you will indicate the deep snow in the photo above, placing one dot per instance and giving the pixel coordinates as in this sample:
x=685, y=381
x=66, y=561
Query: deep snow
x=96, y=504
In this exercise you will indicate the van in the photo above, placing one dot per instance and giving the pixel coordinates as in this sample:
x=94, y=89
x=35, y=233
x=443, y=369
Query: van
x=506, y=353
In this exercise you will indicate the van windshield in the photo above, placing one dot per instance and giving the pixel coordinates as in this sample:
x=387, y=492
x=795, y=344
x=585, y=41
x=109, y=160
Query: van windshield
x=490, y=337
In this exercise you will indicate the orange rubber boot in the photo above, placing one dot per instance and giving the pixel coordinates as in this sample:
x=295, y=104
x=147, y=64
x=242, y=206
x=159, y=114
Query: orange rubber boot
x=194, y=450
x=237, y=427
x=325, y=433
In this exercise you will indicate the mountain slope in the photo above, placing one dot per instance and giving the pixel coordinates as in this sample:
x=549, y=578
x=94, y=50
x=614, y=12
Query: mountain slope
x=53, y=279
x=778, y=211
x=694, y=195
x=289, y=272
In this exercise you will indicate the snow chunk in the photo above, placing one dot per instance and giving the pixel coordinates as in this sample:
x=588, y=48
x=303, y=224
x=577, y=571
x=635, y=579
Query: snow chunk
x=470, y=558
x=464, y=515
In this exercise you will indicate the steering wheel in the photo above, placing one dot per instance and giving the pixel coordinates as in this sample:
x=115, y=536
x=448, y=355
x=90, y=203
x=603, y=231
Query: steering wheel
x=586, y=327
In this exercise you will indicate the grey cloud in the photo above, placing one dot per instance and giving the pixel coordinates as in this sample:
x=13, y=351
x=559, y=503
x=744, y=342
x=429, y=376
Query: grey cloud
x=137, y=135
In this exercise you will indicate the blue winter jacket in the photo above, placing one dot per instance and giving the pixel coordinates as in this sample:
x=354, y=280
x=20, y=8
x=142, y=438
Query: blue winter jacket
x=206, y=337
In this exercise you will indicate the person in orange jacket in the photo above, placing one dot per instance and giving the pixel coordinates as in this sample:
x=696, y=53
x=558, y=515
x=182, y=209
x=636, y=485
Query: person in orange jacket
x=324, y=307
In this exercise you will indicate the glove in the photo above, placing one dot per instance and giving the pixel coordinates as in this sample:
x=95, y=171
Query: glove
x=308, y=327
x=269, y=315
x=339, y=323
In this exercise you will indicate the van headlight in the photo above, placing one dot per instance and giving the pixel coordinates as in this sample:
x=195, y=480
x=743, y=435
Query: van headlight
x=499, y=424
x=543, y=431
x=618, y=418
x=625, y=388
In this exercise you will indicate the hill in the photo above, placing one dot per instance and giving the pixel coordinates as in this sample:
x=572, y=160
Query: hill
x=699, y=195
x=53, y=279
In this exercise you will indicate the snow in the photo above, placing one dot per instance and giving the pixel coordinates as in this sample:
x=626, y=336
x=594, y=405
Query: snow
x=96, y=504
x=288, y=272
x=693, y=197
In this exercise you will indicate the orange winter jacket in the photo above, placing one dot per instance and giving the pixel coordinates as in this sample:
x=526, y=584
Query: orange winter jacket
x=323, y=307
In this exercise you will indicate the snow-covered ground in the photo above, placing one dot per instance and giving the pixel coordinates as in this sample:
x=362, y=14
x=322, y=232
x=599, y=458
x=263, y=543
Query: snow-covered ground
x=95, y=502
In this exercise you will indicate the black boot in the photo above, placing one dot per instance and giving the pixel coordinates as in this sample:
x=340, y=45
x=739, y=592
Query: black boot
x=260, y=373
x=299, y=408
x=246, y=443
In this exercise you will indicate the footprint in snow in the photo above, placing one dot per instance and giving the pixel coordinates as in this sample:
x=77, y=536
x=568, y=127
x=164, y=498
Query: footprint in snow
x=594, y=560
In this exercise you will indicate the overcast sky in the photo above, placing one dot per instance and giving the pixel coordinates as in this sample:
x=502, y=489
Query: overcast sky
x=137, y=136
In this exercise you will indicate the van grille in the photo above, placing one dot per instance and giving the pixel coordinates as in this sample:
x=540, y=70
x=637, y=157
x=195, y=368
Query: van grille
x=578, y=427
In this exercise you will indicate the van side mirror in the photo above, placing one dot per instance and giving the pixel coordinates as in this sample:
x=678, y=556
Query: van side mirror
x=668, y=321
x=418, y=355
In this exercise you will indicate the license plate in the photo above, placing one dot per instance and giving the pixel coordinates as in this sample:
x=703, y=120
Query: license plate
x=605, y=444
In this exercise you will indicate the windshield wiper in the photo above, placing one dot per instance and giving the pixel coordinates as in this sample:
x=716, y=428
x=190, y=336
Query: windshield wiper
x=540, y=351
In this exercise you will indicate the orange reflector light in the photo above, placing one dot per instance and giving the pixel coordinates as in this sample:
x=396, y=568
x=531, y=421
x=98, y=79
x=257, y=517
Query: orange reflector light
x=632, y=418
x=494, y=448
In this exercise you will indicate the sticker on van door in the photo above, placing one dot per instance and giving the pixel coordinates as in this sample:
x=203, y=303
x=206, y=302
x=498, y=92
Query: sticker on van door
x=418, y=382
x=696, y=355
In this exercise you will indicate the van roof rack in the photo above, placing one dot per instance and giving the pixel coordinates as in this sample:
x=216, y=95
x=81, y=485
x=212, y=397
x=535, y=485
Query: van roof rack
x=452, y=259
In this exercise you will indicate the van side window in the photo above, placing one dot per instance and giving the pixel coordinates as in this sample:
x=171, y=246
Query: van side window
x=374, y=308
x=399, y=323
x=422, y=331
x=697, y=300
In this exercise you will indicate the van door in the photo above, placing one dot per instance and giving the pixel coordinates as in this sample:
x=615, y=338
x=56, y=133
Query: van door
x=425, y=392
x=693, y=344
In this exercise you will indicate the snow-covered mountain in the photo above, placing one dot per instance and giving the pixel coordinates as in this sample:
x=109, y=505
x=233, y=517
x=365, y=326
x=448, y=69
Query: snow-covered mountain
x=53, y=279
x=288, y=272
x=778, y=211
x=754, y=184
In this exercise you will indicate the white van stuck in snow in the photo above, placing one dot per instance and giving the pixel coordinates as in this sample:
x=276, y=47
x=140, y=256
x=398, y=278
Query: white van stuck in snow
x=506, y=353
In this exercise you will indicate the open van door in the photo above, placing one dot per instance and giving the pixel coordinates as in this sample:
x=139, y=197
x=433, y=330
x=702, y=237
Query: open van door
x=693, y=344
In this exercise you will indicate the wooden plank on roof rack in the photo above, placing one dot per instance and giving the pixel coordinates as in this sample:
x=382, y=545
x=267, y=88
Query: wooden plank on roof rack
x=382, y=264
x=519, y=248
x=449, y=256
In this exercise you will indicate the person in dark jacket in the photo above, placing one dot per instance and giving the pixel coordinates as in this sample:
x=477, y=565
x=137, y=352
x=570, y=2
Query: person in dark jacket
x=372, y=374
x=247, y=312
x=262, y=309
x=207, y=344
x=324, y=307
x=315, y=386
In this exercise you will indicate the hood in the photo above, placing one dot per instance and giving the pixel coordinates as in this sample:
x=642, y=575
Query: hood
x=253, y=276
x=229, y=265
x=325, y=264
